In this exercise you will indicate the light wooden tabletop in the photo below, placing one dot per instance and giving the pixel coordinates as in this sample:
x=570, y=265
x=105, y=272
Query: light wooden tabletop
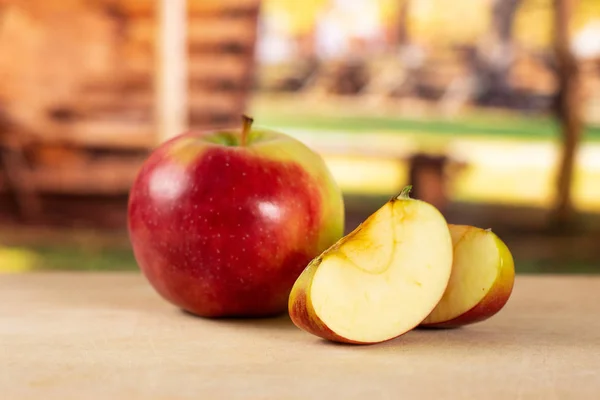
x=109, y=336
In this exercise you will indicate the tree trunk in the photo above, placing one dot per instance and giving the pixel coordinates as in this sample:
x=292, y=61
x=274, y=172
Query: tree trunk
x=396, y=30
x=403, y=37
x=503, y=17
x=498, y=58
x=567, y=111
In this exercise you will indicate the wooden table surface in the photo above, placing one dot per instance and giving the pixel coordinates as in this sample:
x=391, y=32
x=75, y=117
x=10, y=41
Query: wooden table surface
x=109, y=336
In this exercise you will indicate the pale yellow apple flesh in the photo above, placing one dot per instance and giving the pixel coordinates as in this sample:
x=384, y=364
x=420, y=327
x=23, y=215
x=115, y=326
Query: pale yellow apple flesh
x=481, y=281
x=379, y=281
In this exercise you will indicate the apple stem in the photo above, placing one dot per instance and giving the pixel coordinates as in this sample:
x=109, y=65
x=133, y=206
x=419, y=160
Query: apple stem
x=246, y=125
x=405, y=193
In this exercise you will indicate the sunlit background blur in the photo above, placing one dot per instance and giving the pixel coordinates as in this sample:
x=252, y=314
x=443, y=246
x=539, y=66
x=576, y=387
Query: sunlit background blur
x=489, y=108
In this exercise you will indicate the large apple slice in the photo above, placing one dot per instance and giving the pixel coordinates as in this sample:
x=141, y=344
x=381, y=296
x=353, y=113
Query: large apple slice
x=482, y=279
x=379, y=281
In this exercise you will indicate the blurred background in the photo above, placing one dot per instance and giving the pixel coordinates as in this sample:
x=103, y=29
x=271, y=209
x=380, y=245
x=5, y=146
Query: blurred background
x=489, y=108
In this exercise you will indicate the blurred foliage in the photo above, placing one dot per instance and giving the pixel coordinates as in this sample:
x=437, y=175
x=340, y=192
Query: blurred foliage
x=15, y=259
x=73, y=258
x=435, y=21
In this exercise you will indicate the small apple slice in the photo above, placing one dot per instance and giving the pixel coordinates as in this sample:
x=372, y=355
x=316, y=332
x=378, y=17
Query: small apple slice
x=379, y=281
x=481, y=282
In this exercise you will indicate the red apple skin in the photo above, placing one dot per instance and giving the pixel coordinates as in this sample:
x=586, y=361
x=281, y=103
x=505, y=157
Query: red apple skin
x=492, y=303
x=224, y=231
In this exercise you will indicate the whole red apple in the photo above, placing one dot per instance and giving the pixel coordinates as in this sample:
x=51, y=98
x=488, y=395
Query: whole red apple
x=222, y=223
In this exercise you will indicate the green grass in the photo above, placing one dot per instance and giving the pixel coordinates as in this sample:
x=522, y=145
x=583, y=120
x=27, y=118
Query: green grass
x=555, y=267
x=68, y=258
x=85, y=260
x=534, y=128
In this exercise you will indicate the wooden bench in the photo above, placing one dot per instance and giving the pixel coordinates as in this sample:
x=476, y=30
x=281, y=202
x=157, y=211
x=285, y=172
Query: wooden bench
x=93, y=141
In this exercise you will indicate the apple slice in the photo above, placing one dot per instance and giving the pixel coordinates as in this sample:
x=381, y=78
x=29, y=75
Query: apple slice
x=482, y=279
x=379, y=281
